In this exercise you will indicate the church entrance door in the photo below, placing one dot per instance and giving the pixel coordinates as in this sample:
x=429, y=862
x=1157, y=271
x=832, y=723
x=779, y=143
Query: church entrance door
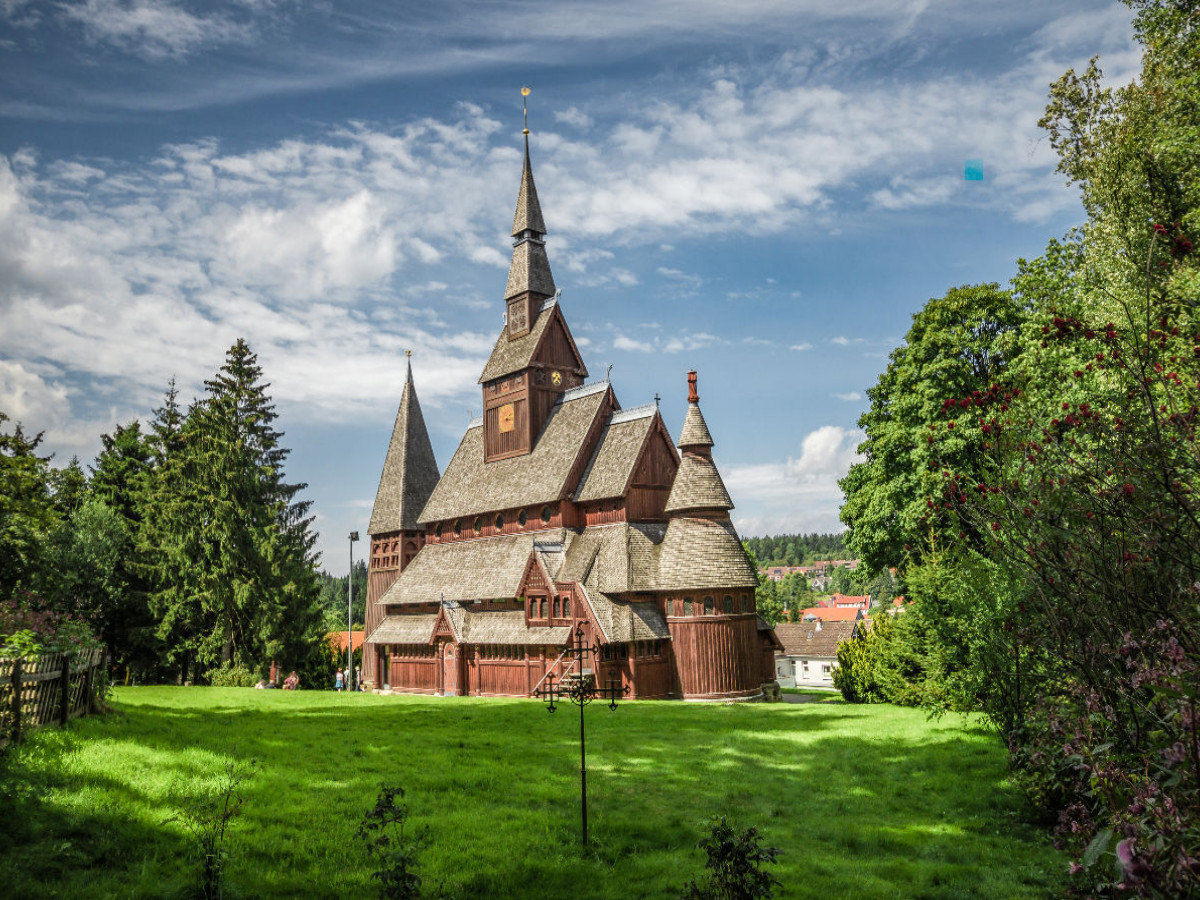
x=449, y=670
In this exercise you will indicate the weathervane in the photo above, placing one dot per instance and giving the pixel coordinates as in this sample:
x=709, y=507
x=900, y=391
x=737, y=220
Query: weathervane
x=525, y=109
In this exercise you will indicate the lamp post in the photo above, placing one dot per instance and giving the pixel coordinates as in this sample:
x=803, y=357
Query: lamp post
x=581, y=690
x=350, y=618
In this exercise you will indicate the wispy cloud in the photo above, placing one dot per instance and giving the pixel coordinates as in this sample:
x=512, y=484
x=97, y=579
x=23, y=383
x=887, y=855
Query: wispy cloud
x=849, y=396
x=153, y=29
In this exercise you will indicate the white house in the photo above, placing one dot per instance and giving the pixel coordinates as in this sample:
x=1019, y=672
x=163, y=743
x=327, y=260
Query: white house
x=809, y=653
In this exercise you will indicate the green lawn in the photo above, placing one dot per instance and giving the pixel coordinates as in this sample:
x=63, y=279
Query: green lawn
x=863, y=801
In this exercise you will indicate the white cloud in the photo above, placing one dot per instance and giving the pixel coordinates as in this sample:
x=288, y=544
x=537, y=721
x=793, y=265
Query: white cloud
x=574, y=117
x=621, y=342
x=153, y=29
x=801, y=493
x=848, y=397
x=843, y=341
x=801, y=347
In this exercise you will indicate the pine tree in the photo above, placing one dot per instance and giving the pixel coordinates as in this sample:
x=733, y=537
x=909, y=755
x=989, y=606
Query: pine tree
x=236, y=572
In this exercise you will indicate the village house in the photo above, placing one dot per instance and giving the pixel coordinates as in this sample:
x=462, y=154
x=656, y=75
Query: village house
x=809, y=653
x=560, y=510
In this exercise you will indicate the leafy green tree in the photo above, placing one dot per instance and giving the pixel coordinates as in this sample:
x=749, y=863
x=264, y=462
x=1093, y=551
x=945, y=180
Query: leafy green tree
x=958, y=346
x=27, y=512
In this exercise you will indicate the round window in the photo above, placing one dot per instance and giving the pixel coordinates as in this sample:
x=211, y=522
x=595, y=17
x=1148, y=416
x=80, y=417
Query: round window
x=499, y=523
x=545, y=513
x=522, y=518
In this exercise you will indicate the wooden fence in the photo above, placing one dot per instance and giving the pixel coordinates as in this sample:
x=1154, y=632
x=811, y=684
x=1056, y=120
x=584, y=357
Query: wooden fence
x=51, y=687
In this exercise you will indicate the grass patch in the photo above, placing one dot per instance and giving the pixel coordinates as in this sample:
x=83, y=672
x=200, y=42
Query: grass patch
x=863, y=801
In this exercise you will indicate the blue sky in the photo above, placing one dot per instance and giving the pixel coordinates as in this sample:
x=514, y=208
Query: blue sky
x=765, y=191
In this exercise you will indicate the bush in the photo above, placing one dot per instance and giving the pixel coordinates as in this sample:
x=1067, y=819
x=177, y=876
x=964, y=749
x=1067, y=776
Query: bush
x=735, y=866
x=233, y=676
x=382, y=829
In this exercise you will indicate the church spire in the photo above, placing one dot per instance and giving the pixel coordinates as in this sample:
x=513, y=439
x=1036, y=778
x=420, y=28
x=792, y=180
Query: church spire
x=410, y=471
x=530, y=268
x=698, y=487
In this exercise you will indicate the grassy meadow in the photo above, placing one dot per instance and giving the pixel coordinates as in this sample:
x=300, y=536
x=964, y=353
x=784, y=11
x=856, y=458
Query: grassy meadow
x=863, y=801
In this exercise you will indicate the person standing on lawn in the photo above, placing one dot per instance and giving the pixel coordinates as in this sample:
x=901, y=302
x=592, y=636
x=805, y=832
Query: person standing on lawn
x=338, y=682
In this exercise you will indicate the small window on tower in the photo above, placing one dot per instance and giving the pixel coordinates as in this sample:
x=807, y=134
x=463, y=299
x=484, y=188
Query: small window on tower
x=499, y=523
x=727, y=604
x=458, y=528
x=478, y=526
x=437, y=532
x=545, y=514
x=522, y=518
x=708, y=606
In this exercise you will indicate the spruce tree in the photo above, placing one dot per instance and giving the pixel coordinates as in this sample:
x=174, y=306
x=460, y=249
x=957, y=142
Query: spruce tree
x=236, y=579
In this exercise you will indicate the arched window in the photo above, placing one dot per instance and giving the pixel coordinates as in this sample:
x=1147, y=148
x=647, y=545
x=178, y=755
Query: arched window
x=727, y=604
x=458, y=527
x=437, y=532
x=500, y=523
x=522, y=518
x=566, y=607
x=546, y=514
x=708, y=606
x=478, y=526
x=557, y=608
x=687, y=606
x=542, y=608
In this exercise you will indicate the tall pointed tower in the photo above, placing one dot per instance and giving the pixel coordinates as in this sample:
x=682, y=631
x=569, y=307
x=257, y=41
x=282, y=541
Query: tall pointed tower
x=706, y=576
x=410, y=474
x=535, y=358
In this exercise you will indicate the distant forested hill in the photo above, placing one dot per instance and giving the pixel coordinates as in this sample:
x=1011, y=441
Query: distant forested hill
x=797, y=549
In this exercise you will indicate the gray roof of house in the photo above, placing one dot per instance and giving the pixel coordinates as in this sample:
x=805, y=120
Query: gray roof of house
x=409, y=470
x=806, y=639
x=703, y=553
x=471, y=487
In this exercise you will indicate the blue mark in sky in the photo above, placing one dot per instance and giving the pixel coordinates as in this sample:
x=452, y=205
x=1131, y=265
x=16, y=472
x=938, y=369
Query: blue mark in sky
x=974, y=170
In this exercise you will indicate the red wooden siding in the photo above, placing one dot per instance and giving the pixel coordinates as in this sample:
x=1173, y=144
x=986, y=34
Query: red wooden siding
x=717, y=656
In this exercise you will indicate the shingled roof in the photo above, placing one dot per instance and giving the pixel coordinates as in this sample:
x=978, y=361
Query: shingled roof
x=622, y=621
x=412, y=629
x=699, y=554
x=616, y=559
x=471, y=487
x=611, y=466
x=807, y=639
x=697, y=486
x=480, y=569
x=409, y=470
x=695, y=429
x=514, y=354
x=528, y=216
x=529, y=270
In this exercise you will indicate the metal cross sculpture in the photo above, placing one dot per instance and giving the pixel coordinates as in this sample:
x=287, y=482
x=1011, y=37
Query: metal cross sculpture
x=579, y=687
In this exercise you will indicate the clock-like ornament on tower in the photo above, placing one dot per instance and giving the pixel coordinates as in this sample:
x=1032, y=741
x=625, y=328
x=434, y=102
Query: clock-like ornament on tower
x=507, y=418
x=556, y=378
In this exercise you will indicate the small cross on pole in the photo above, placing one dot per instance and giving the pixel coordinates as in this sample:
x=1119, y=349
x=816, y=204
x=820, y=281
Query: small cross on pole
x=581, y=690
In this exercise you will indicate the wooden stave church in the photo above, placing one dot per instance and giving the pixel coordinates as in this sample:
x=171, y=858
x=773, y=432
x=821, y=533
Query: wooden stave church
x=558, y=509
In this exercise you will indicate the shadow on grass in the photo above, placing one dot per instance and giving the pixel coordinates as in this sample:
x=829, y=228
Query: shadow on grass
x=862, y=801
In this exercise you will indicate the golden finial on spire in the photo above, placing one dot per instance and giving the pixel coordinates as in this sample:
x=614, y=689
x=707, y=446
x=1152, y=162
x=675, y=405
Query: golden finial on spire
x=408, y=353
x=525, y=109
